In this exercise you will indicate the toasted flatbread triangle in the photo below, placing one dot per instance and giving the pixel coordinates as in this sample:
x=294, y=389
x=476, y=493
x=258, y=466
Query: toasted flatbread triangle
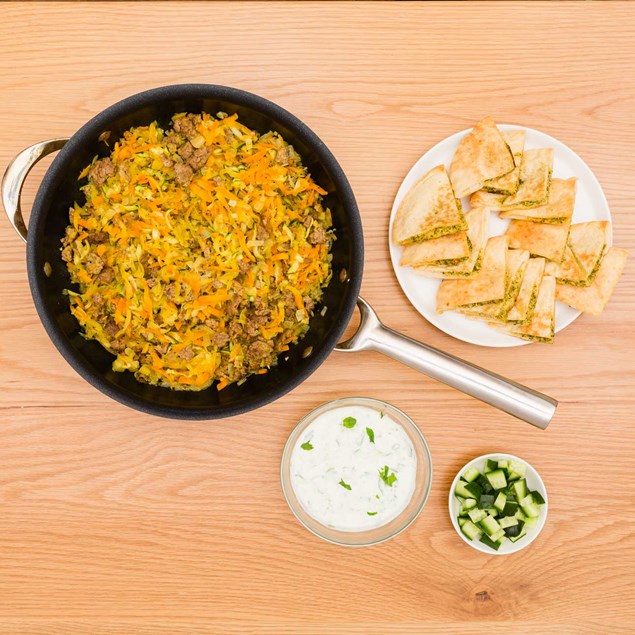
x=508, y=183
x=587, y=241
x=593, y=299
x=515, y=139
x=541, y=326
x=539, y=239
x=535, y=178
x=492, y=202
x=446, y=250
x=516, y=262
x=487, y=285
x=525, y=303
x=568, y=271
x=477, y=226
x=428, y=210
x=481, y=155
x=585, y=249
x=558, y=209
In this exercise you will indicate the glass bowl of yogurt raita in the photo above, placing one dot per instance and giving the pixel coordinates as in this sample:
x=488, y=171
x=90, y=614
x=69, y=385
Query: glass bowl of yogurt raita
x=356, y=471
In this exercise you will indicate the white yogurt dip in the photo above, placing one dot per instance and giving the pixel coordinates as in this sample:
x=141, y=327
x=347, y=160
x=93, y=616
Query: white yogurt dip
x=353, y=468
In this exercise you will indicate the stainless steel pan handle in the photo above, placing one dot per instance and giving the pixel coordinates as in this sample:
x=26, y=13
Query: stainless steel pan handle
x=16, y=174
x=504, y=394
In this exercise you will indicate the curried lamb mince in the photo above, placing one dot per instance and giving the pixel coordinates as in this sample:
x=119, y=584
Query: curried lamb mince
x=200, y=252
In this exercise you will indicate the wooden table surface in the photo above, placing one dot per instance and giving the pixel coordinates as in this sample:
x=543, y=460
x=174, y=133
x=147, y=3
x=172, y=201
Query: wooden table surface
x=112, y=521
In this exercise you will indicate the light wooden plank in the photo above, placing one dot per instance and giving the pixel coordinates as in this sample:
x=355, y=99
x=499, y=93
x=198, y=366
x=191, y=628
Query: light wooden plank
x=116, y=522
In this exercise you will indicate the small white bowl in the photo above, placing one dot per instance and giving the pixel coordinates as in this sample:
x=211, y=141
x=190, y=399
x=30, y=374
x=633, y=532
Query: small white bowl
x=534, y=483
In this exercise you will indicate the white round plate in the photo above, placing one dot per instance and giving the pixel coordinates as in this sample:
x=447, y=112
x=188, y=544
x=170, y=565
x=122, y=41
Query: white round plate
x=590, y=204
x=534, y=483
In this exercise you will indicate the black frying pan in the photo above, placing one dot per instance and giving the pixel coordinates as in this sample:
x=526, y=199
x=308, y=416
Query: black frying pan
x=48, y=275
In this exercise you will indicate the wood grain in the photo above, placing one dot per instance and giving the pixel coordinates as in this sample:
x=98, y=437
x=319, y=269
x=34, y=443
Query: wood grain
x=116, y=522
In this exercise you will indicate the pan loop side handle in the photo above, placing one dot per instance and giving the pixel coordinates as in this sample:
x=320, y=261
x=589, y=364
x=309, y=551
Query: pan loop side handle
x=15, y=175
x=515, y=399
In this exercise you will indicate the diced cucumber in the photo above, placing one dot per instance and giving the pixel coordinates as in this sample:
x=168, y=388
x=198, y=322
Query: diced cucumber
x=467, y=504
x=490, y=543
x=523, y=532
x=538, y=499
x=484, y=483
x=508, y=521
x=497, y=479
x=496, y=504
x=515, y=530
x=470, y=530
x=511, y=507
x=476, y=515
x=489, y=525
x=460, y=490
x=520, y=489
x=529, y=507
x=517, y=467
x=500, y=501
x=474, y=489
x=486, y=501
x=490, y=465
x=471, y=474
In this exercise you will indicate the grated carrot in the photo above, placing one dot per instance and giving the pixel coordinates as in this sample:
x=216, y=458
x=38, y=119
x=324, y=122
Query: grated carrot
x=229, y=245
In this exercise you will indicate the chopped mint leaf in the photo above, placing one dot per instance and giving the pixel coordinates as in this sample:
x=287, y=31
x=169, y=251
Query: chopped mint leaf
x=386, y=477
x=372, y=513
x=307, y=446
x=382, y=414
x=371, y=434
x=349, y=422
x=344, y=485
x=377, y=496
